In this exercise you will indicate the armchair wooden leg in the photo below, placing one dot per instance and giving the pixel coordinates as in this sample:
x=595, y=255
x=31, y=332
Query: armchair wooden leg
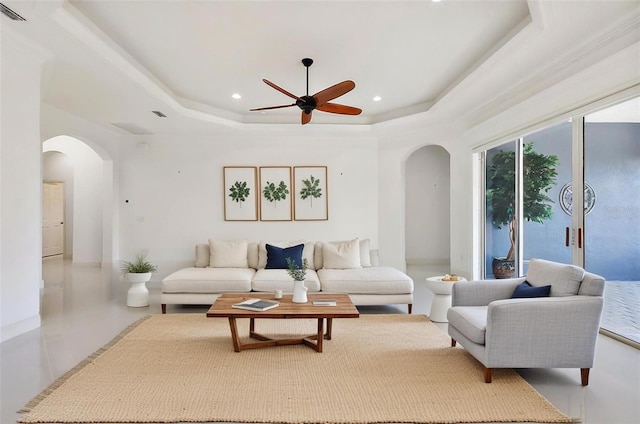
x=487, y=375
x=164, y=308
x=453, y=343
x=584, y=375
x=409, y=307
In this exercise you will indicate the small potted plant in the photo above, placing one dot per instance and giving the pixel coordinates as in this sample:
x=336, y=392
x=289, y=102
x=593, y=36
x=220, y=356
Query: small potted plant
x=298, y=274
x=138, y=273
x=139, y=266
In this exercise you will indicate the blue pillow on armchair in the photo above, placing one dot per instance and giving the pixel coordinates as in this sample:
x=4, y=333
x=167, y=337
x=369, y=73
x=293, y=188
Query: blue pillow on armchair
x=525, y=290
x=277, y=256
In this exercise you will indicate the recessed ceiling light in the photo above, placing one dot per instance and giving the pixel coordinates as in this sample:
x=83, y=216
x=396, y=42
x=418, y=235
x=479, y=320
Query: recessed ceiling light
x=236, y=96
x=377, y=98
x=436, y=1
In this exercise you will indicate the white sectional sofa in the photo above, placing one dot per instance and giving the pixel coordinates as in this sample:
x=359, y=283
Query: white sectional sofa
x=239, y=266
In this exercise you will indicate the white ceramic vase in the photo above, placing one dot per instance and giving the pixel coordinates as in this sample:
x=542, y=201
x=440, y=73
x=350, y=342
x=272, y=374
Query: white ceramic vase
x=299, y=292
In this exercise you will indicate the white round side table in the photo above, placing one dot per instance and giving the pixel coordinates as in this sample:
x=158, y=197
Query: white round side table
x=441, y=297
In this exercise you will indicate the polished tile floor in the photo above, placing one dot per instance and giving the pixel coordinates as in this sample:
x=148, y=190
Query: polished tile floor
x=83, y=308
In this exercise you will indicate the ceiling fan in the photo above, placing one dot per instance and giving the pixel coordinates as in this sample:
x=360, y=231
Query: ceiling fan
x=320, y=100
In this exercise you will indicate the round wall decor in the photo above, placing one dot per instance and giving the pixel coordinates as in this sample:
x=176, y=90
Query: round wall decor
x=566, y=198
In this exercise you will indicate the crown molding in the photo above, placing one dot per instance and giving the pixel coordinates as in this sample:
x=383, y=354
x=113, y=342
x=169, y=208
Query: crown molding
x=615, y=38
x=77, y=25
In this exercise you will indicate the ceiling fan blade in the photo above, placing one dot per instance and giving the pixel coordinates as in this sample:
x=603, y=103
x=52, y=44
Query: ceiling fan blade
x=306, y=117
x=280, y=89
x=272, y=107
x=334, y=91
x=341, y=109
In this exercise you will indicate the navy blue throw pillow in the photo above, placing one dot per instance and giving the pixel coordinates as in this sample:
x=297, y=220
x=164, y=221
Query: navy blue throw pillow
x=525, y=289
x=277, y=256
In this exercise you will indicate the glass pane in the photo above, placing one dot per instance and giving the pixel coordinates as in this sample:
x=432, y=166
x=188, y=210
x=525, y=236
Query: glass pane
x=500, y=187
x=612, y=222
x=547, y=194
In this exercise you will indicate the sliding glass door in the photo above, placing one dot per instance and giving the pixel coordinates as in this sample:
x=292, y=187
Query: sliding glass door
x=524, y=218
x=571, y=193
x=612, y=214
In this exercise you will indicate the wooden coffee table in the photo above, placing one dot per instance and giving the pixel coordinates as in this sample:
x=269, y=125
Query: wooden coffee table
x=287, y=309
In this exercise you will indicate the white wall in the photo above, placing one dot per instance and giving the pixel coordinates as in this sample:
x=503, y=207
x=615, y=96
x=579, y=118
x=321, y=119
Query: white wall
x=21, y=188
x=427, y=206
x=171, y=193
x=87, y=197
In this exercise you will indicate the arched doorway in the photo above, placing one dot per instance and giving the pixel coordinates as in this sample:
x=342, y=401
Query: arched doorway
x=90, y=229
x=427, y=208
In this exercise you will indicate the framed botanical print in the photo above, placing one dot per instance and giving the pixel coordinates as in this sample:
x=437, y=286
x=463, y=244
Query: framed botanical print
x=310, y=193
x=240, y=194
x=275, y=193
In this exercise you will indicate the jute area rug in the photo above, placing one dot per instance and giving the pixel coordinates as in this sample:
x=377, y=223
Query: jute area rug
x=376, y=369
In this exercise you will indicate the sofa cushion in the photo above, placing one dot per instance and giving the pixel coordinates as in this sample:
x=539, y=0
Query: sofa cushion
x=307, y=252
x=203, y=257
x=277, y=256
x=228, y=254
x=278, y=279
x=365, y=256
x=252, y=255
x=376, y=280
x=564, y=279
x=209, y=280
x=341, y=254
x=470, y=321
x=526, y=290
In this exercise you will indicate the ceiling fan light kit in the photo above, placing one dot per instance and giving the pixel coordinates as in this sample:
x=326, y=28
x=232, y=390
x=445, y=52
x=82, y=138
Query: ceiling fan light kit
x=319, y=101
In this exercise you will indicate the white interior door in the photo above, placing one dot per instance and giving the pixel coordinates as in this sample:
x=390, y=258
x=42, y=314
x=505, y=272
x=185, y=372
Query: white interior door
x=52, y=219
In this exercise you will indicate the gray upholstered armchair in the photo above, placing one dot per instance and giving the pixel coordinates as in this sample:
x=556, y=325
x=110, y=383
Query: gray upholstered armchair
x=558, y=331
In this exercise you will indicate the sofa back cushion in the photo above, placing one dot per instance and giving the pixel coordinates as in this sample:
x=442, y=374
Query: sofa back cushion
x=252, y=254
x=341, y=254
x=368, y=257
x=228, y=254
x=203, y=257
x=564, y=279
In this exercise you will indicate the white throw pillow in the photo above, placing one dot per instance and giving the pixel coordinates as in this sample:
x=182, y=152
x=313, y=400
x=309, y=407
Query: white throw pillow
x=228, y=254
x=341, y=254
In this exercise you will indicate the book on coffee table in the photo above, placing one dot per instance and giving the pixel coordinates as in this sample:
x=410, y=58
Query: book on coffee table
x=324, y=302
x=255, y=305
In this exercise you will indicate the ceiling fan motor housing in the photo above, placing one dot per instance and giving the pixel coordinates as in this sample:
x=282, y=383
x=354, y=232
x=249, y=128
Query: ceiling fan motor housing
x=307, y=104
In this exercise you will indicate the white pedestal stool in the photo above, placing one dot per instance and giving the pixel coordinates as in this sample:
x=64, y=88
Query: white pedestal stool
x=441, y=297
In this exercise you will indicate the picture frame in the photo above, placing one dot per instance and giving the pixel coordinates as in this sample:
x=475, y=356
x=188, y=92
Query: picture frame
x=275, y=193
x=240, y=193
x=311, y=197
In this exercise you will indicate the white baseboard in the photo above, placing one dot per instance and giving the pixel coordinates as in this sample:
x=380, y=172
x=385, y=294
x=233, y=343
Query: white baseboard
x=15, y=329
